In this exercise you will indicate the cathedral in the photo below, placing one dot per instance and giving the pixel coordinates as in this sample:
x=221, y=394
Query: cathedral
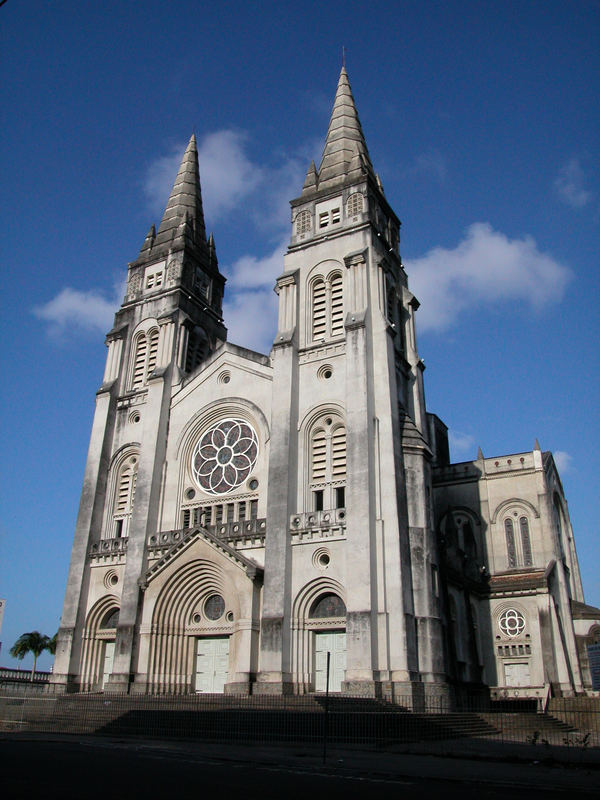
x=290, y=522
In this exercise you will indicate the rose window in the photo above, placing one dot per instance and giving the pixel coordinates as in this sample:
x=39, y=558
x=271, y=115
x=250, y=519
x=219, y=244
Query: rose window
x=511, y=622
x=225, y=456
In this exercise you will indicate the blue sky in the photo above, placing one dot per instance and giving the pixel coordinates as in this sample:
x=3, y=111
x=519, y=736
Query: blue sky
x=482, y=120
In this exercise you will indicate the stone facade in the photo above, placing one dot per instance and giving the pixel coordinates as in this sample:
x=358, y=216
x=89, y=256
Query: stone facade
x=244, y=515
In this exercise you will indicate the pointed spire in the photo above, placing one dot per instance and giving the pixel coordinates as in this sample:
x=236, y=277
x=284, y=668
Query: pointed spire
x=345, y=138
x=311, y=181
x=184, y=209
x=149, y=241
x=536, y=446
x=479, y=454
x=212, y=252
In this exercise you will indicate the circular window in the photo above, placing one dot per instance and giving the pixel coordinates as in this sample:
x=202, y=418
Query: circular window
x=190, y=494
x=230, y=616
x=253, y=484
x=225, y=456
x=511, y=622
x=325, y=372
x=214, y=608
x=196, y=618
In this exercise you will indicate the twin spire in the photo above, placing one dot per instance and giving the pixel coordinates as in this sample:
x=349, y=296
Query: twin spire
x=345, y=154
x=184, y=216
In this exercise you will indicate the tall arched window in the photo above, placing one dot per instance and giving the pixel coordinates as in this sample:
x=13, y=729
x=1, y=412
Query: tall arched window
x=145, y=349
x=327, y=469
x=124, y=495
x=327, y=306
x=510, y=543
x=525, y=542
x=518, y=542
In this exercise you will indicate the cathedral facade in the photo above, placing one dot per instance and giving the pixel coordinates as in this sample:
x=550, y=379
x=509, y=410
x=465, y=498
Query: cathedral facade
x=255, y=523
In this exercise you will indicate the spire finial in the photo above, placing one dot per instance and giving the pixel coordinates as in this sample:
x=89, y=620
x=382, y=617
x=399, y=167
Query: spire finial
x=185, y=201
x=343, y=57
x=345, y=138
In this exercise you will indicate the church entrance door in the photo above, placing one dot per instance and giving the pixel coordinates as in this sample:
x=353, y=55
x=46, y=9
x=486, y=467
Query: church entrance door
x=109, y=657
x=333, y=642
x=212, y=664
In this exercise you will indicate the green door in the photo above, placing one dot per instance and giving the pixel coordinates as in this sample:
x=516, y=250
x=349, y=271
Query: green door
x=333, y=642
x=109, y=657
x=212, y=664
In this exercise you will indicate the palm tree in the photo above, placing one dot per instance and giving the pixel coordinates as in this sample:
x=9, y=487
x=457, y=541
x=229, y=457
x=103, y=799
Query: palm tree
x=34, y=642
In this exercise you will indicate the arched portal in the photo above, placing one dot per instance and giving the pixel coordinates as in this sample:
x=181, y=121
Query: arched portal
x=319, y=628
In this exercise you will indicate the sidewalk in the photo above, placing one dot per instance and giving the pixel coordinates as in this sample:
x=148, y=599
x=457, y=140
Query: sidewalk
x=485, y=763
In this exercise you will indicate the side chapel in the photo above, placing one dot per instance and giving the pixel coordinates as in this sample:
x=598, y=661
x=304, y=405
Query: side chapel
x=244, y=514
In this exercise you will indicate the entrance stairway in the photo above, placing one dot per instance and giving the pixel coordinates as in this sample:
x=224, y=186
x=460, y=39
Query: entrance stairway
x=259, y=718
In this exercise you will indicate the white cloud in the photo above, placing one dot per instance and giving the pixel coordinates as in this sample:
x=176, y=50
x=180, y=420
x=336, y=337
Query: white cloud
x=460, y=442
x=562, y=461
x=78, y=311
x=226, y=173
x=250, y=307
x=484, y=268
x=569, y=184
x=251, y=318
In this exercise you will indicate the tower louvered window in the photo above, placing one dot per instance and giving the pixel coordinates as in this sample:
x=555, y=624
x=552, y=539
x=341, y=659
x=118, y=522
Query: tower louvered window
x=337, y=306
x=328, y=307
x=145, y=357
x=124, y=495
x=319, y=317
x=328, y=464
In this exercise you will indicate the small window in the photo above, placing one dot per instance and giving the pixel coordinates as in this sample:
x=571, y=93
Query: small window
x=253, y=509
x=340, y=497
x=335, y=216
x=324, y=219
x=318, y=495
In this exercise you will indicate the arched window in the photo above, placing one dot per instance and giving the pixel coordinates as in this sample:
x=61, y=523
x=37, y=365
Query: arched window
x=518, y=542
x=328, y=605
x=511, y=550
x=124, y=495
x=525, y=542
x=327, y=306
x=355, y=204
x=145, y=349
x=327, y=469
x=303, y=223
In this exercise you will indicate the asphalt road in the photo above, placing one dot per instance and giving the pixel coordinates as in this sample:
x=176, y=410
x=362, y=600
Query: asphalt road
x=110, y=770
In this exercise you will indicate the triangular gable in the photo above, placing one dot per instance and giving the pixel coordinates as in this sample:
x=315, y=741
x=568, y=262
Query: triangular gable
x=253, y=570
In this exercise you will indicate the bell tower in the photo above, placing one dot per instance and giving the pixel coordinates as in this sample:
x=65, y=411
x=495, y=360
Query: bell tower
x=169, y=323
x=349, y=438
